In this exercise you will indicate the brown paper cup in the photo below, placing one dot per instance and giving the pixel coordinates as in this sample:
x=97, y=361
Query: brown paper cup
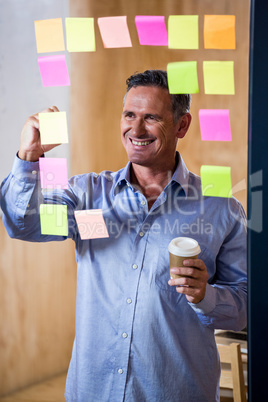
x=177, y=261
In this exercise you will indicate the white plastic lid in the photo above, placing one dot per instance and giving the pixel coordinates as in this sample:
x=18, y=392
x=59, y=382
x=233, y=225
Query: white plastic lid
x=184, y=247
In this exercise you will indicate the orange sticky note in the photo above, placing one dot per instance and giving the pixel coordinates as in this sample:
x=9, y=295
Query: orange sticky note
x=219, y=31
x=91, y=224
x=49, y=35
x=114, y=32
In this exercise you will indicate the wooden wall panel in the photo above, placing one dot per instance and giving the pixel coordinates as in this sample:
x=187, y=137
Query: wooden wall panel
x=37, y=310
x=98, y=86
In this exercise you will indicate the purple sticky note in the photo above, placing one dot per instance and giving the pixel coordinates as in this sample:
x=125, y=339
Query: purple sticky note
x=54, y=71
x=53, y=173
x=215, y=125
x=152, y=30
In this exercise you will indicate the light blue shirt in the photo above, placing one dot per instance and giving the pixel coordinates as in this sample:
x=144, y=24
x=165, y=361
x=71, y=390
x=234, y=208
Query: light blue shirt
x=137, y=339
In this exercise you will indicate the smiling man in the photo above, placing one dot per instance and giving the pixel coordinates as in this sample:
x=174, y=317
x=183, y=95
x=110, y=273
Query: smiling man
x=141, y=336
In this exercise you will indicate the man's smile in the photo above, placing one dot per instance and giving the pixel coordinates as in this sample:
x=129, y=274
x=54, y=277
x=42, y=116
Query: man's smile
x=141, y=143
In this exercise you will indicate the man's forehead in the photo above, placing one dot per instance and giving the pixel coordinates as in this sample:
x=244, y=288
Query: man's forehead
x=148, y=96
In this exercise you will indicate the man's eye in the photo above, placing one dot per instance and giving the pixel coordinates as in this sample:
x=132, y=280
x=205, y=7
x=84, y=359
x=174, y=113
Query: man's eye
x=151, y=117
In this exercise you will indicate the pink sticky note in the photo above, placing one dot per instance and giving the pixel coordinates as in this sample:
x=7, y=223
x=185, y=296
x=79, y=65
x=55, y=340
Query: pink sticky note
x=152, y=30
x=91, y=224
x=54, y=71
x=215, y=125
x=114, y=31
x=53, y=173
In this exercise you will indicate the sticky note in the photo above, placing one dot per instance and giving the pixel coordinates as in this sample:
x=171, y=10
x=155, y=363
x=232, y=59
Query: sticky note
x=91, y=224
x=53, y=173
x=53, y=219
x=219, y=32
x=215, y=125
x=49, y=35
x=219, y=77
x=80, y=34
x=151, y=30
x=53, y=128
x=53, y=70
x=182, y=77
x=183, y=32
x=114, y=32
x=216, y=181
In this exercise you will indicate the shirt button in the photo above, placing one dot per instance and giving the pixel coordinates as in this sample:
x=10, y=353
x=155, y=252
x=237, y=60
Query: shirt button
x=124, y=335
x=143, y=202
x=120, y=371
x=129, y=301
x=34, y=172
x=141, y=234
x=134, y=266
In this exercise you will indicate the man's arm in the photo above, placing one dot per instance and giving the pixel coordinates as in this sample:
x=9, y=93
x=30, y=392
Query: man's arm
x=221, y=304
x=21, y=194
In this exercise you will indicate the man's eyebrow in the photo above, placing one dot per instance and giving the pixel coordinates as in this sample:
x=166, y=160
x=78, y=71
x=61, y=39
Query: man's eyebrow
x=127, y=112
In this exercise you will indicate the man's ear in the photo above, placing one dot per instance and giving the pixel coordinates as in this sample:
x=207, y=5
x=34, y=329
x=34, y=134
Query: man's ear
x=183, y=125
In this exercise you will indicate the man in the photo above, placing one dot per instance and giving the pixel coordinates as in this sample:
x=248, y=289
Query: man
x=141, y=336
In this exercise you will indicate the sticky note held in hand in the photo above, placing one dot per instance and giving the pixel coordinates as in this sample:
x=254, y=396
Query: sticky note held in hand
x=53, y=128
x=216, y=181
x=53, y=219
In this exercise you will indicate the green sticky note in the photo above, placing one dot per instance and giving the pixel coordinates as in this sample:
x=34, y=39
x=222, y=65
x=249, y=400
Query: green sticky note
x=219, y=77
x=216, y=181
x=53, y=219
x=182, y=77
x=53, y=128
x=183, y=32
x=80, y=34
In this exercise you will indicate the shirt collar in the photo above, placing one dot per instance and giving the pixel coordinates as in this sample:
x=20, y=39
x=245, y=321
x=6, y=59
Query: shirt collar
x=180, y=176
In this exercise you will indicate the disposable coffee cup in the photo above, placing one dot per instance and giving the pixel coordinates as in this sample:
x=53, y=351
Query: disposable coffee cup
x=180, y=249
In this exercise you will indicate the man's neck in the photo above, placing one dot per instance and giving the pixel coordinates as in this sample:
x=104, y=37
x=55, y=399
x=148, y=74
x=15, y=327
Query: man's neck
x=151, y=181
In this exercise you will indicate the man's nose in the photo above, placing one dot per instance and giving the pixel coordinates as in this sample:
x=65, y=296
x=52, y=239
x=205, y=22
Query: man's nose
x=138, y=127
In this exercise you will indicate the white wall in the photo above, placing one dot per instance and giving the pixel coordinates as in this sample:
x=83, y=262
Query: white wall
x=21, y=90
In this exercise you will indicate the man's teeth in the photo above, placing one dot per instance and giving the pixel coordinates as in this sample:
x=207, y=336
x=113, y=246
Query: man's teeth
x=141, y=143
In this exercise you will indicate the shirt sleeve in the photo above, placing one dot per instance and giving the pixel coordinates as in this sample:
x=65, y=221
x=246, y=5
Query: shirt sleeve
x=225, y=303
x=21, y=196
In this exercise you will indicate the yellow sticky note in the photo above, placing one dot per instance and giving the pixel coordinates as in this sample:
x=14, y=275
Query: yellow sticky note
x=182, y=77
x=219, y=31
x=216, y=181
x=183, y=32
x=80, y=34
x=53, y=128
x=219, y=77
x=49, y=35
x=53, y=219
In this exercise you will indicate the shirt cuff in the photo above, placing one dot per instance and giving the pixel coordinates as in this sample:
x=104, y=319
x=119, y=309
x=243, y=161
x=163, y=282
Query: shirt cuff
x=25, y=170
x=208, y=304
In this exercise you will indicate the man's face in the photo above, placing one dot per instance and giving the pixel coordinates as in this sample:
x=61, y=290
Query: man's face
x=148, y=131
